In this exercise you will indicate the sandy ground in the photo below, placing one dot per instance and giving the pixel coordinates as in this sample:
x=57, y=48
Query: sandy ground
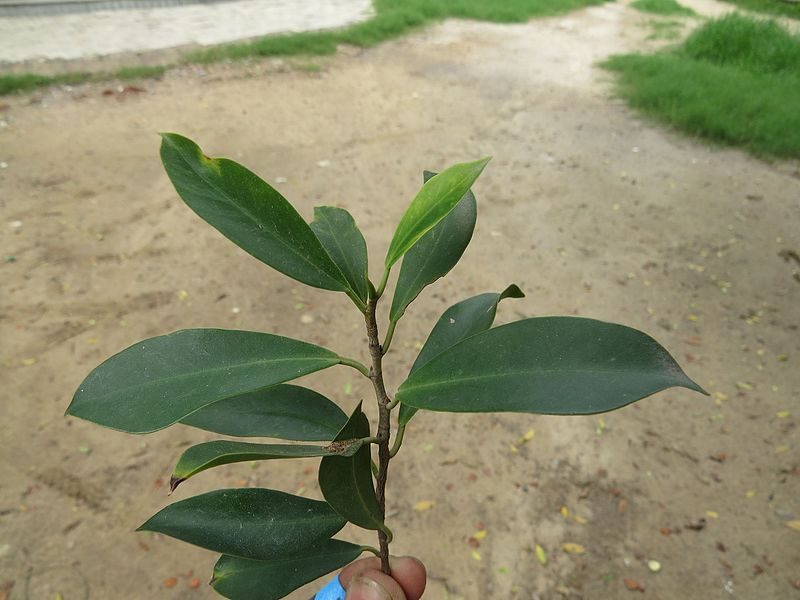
x=81, y=35
x=589, y=209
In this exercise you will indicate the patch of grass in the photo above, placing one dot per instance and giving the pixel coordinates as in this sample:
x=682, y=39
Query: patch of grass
x=665, y=30
x=26, y=82
x=140, y=72
x=734, y=81
x=669, y=8
x=392, y=19
x=773, y=7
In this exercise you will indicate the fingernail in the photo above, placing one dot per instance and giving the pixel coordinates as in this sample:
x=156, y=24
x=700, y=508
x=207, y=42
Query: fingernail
x=362, y=588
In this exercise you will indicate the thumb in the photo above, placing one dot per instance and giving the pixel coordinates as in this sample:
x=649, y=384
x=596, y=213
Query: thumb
x=374, y=585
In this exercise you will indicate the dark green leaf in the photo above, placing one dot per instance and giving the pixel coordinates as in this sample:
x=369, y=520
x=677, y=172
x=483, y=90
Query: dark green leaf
x=458, y=322
x=159, y=381
x=337, y=231
x=243, y=579
x=346, y=482
x=435, y=253
x=249, y=212
x=284, y=411
x=248, y=522
x=437, y=197
x=545, y=365
x=207, y=455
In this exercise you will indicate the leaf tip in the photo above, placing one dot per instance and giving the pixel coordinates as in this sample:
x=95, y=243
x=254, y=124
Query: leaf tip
x=512, y=291
x=174, y=482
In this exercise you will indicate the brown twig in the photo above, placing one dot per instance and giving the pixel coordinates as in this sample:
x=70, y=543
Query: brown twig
x=384, y=416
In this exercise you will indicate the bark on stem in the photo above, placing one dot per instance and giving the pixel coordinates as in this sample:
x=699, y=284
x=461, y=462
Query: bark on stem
x=384, y=416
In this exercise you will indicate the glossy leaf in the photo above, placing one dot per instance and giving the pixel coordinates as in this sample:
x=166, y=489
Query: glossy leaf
x=248, y=522
x=244, y=579
x=458, y=322
x=435, y=200
x=545, y=365
x=207, y=455
x=435, y=253
x=337, y=231
x=346, y=482
x=284, y=411
x=249, y=212
x=159, y=381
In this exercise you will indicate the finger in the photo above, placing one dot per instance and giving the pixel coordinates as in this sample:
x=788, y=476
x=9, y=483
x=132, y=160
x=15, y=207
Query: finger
x=374, y=585
x=407, y=571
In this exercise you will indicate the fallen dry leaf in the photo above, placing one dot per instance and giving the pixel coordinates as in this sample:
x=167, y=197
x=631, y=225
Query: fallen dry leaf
x=633, y=586
x=541, y=555
x=170, y=582
x=571, y=548
x=423, y=505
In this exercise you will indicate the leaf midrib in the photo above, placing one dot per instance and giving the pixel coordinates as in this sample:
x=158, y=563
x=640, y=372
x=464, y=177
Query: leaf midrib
x=156, y=382
x=489, y=376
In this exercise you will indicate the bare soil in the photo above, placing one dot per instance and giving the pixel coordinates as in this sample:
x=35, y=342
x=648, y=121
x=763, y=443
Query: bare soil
x=589, y=209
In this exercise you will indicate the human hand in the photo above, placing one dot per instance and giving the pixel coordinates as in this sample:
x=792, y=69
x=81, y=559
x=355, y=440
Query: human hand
x=364, y=579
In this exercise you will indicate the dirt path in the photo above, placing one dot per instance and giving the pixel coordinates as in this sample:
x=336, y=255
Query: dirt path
x=587, y=208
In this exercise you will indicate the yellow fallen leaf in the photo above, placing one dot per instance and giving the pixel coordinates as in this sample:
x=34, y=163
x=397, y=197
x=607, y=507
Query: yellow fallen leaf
x=743, y=385
x=28, y=361
x=423, y=505
x=783, y=414
x=479, y=535
x=514, y=449
x=750, y=494
x=580, y=520
x=541, y=555
x=793, y=525
x=781, y=449
x=693, y=318
x=476, y=555
x=571, y=548
x=182, y=295
x=564, y=512
x=712, y=515
x=720, y=396
x=527, y=437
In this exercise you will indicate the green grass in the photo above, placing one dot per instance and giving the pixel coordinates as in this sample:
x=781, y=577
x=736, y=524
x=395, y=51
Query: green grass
x=665, y=30
x=734, y=81
x=773, y=7
x=27, y=81
x=669, y=8
x=392, y=18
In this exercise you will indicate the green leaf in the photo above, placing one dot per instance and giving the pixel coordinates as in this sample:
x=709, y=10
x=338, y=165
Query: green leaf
x=207, y=455
x=243, y=579
x=284, y=411
x=337, y=231
x=249, y=212
x=545, y=365
x=159, y=381
x=435, y=253
x=248, y=522
x=434, y=201
x=458, y=322
x=346, y=482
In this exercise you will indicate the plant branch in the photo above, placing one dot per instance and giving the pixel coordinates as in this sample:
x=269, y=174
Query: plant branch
x=384, y=417
x=358, y=366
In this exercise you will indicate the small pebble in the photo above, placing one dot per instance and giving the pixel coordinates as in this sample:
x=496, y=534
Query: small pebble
x=654, y=566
